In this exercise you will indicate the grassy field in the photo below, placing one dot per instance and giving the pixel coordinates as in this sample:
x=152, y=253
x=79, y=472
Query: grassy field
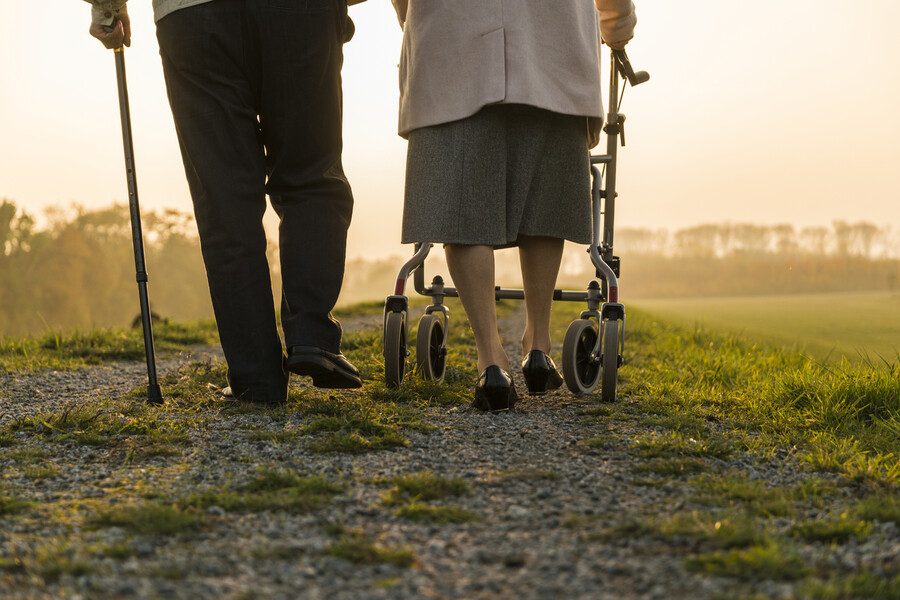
x=851, y=326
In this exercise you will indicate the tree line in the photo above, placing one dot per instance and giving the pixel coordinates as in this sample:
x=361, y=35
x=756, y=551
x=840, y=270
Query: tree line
x=722, y=259
x=843, y=239
x=77, y=270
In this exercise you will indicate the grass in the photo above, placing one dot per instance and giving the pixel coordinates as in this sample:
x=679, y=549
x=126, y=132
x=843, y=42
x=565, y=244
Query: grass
x=525, y=474
x=769, y=561
x=673, y=444
x=52, y=561
x=840, y=530
x=420, y=512
x=735, y=490
x=59, y=351
x=841, y=418
x=804, y=322
x=671, y=467
x=356, y=548
x=853, y=587
x=149, y=518
x=10, y=505
x=422, y=487
x=128, y=425
x=271, y=490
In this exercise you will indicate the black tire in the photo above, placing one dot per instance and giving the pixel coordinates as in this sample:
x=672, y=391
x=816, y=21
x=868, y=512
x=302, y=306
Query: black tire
x=394, y=348
x=430, y=350
x=580, y=371
x=609, y=361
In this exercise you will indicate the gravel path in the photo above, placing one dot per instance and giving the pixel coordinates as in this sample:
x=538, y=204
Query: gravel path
x=545, y=501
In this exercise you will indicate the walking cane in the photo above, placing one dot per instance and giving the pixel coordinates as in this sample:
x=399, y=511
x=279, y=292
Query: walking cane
x=154, y=393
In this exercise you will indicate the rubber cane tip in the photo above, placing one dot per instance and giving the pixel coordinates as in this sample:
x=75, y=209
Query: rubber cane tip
x=154, y=394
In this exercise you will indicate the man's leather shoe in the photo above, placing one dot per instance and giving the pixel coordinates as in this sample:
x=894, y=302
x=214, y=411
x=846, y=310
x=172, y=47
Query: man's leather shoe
x=495, y=390
x=540, y=373
x=228, y=394
x=327, y=370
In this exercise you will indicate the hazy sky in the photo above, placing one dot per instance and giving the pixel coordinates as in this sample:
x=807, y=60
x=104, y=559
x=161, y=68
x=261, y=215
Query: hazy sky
x=768, y=112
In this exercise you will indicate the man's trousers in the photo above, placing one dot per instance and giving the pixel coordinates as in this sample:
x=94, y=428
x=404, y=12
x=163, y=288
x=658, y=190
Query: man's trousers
x=255, y=90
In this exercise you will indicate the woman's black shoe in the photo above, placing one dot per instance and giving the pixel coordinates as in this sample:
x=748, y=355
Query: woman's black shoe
x=540, y=373
x=495, y=390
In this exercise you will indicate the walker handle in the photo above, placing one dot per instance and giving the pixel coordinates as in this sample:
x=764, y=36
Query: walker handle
x=623, y=66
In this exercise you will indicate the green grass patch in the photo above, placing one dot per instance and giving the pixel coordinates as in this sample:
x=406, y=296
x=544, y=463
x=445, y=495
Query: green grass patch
x=422, y=487
x=420, y=512
x=601, y=442
x=10, y=505
x=525, y=474
x=838, y=417
x=39, y=472
x=751, y=495
x=676, y=445
x=417, y=391
x=671, y=467
x=355, y=443
x=60, y=351
x=355, y=423
x=276, y=437
x=727, y=531
x=770, y=561
x=791, y=319
x=149, y=518
x=356, y=548
x=828, y=531
x=141, y=430
x=700, y=529
x=52, y=561
x=28, y=455
x=195, y=385
x=272, y=490
x=853, y=587
x=881, y=507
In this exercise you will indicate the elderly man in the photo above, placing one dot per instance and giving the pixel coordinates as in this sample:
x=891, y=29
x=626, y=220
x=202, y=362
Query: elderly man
x=255, y=91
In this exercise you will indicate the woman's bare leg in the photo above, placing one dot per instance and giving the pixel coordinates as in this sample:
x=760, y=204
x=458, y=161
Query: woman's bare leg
x=472, y=270
x=540, y=258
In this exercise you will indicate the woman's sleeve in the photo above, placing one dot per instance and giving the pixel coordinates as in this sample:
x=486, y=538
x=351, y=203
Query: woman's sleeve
x=400, y=6
x=617, y=21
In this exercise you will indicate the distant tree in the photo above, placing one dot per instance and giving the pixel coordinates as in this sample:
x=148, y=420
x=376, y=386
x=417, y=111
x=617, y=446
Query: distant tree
x=751, y=239
x=814, y=240
x=700, y=240
x=785, y=239
x=641, y=241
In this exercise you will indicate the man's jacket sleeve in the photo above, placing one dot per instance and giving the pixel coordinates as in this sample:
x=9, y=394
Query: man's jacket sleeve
x=104, y=12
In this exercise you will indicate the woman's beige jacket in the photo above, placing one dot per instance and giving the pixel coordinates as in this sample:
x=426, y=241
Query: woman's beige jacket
x=461, y=55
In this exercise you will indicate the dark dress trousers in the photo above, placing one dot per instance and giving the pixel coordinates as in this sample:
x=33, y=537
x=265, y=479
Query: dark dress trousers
x=255, y=90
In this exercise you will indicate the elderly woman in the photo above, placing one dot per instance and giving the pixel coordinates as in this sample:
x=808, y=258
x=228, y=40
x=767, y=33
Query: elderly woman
x=500, y=101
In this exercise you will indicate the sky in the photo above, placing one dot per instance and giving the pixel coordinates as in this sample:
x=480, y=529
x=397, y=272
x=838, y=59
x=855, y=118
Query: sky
x=766, y=112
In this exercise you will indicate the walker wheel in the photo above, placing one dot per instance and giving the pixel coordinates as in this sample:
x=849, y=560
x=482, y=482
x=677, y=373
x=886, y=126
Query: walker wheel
x=394, y=348
x=609, y=360
x=431, y=353
x=581, y=370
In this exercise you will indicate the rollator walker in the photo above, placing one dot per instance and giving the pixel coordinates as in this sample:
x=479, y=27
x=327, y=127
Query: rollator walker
x=594, y=343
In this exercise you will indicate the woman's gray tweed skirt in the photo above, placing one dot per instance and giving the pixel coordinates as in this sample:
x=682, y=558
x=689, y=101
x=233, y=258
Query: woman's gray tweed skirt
x=508, y=170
